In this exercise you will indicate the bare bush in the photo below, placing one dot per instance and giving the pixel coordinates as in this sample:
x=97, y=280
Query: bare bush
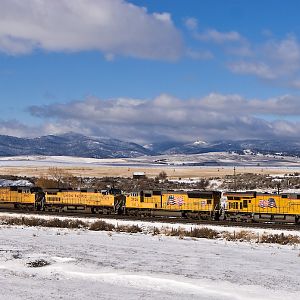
x=204, y=233
x=129, y=228
x=156, y=231
x=38, y=263
x=33, y=222
x=101, y=226
x=281, y=239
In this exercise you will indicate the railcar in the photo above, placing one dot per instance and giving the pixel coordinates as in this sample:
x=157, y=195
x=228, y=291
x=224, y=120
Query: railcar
x=262, y=207
x=190, y=204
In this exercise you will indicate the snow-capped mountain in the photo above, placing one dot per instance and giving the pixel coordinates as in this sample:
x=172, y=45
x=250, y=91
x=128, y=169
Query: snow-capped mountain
x=283, y=147
x=70, y=144
x=73, y=144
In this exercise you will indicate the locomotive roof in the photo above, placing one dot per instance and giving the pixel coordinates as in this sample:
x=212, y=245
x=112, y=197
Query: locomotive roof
x=255, y=194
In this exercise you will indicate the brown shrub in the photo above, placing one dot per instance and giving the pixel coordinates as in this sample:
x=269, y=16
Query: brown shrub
x=281, y=239
x=129, y=228
x=38, y=263
x=156, y=231
x=203, y=233
x=33, y=222
x=101, y=226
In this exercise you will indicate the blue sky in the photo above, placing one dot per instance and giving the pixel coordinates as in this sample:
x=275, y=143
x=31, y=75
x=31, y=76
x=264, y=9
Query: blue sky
x=150, y=70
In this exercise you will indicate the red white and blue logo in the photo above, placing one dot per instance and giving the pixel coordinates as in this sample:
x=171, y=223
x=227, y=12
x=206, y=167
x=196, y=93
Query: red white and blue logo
x=173, y=200
x=267, y=203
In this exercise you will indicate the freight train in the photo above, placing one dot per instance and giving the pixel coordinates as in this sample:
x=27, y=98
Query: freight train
x=201, y=205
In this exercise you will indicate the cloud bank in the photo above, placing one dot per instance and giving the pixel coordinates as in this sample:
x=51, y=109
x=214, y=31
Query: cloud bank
x=212, y=117
x=114, y=27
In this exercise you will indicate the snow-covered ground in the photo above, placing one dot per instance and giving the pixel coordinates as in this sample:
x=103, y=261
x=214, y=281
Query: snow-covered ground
x=108, y=265
x=6, y=182
x=211, y=159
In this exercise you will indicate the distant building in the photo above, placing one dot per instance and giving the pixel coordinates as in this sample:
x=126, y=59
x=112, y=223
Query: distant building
x=138, y=175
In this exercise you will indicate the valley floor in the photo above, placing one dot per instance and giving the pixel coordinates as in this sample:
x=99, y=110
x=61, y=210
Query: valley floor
x=176, y=166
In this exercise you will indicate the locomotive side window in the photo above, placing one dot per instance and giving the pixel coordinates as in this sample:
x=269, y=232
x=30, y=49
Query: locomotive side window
x=156, y=193
x=53, y=198
x=200, y=195
x=134, y=194
x=245, y=203
x=208, y=202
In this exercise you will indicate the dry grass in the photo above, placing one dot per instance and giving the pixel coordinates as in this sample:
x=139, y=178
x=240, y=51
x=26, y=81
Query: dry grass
x=129, y=228
x=281, y=239
x=33, y=222
x=241, y=236
x=204, y=232
x=119, y=171
x=196, y=232
x=101, y=226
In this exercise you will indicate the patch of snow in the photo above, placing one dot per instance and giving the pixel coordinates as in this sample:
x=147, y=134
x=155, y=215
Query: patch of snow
x=6, y=182
x=200, y=142
x=248, y=151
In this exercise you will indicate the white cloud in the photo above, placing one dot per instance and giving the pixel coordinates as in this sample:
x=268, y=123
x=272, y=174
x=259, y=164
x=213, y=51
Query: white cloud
x=295, y=83
x=215, y=116
x=259, y=69
x=215, y=36
x=275, y=60
x=242, y=50
x=114, y=27
x=16, y=128
x=199, y=54
x=286, y=50
x=191, y=23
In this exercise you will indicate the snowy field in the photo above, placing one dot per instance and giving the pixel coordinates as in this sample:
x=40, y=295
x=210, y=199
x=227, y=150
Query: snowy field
x=185, y=160
x=109, y=265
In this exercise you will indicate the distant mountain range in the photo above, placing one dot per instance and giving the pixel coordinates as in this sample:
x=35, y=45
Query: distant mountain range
x=283, y=147
x=70, y=144
x=73, y=144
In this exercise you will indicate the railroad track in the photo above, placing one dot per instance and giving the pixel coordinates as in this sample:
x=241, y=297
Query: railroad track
x=170, y=220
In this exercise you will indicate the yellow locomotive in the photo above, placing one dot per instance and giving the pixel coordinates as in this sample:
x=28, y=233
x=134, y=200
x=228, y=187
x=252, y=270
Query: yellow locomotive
x=27, y=198
x=92, y=201
x=262, y=207
x=190, y=204
x=85, y=200
x=239, y=206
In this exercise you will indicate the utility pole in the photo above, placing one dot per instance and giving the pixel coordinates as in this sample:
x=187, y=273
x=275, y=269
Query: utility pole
x=234, y=178
x=278, y=188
